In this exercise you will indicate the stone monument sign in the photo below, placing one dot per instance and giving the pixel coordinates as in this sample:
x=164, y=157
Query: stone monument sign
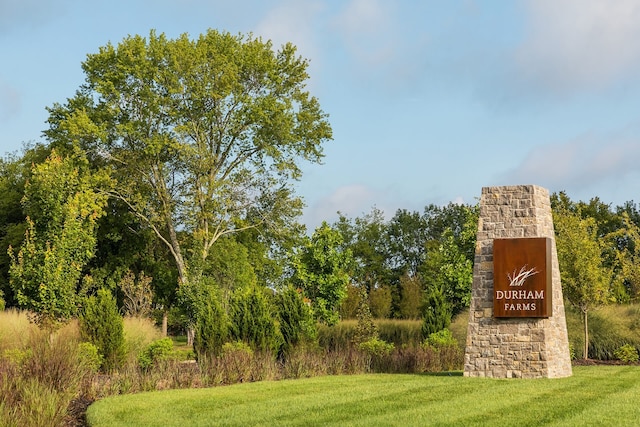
x=517, y=326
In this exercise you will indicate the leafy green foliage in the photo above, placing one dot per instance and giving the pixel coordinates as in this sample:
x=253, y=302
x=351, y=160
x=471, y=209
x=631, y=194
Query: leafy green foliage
x=442, y=338
x=253, y=320
x=295, y=318
x=89, y=356
x=63, y=206
x=585, y=280
x=155, y=352
x=229, y=266
x=14, y=173
x=321, y=271
x=102, y=325
x=380, y=300
x=627, y=353
x=376, y=347
x=410, y=297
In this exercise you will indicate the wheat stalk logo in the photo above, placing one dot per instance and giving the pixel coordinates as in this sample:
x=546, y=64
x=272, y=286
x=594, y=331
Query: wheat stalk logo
x=517, y=278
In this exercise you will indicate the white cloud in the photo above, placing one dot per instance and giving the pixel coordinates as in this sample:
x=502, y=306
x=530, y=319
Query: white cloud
x=292, y=21
x=352, y=201
x=588, y=161
x=575, y=44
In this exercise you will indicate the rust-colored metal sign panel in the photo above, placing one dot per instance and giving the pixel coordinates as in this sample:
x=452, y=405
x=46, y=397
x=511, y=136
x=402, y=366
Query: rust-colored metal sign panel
x=522, y=277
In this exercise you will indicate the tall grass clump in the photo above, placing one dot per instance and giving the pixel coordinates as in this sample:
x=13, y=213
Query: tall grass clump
x=14, y=329
x=610, y=327
x=139, y=332
x=400, y=332
x=39, y=380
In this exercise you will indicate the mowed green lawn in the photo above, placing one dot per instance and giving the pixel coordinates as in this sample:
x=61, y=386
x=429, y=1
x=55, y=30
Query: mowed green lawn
x=593, y=396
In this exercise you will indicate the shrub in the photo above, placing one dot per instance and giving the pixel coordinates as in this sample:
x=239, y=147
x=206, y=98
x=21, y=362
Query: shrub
x=155, y=352
x=627, y=353
x=89, y=356
x=377, y=355
x=211, y=324
x=253, y=320
x=376, y=347
x=296, y=321
x=436, y=312
x=236, y=348
x=102, y=325
x=440, y=339
x=445, y=348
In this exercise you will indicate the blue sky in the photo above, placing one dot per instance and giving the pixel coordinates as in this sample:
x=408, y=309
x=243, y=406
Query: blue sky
x=429, y=100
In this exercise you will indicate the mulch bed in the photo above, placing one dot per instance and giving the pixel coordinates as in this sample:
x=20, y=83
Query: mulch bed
x=77, y=416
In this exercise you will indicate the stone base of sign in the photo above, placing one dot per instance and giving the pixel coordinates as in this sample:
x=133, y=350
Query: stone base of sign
x=514, y=347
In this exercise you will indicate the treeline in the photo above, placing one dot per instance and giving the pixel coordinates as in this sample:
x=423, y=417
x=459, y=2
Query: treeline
x=394, y=260
x=168, y=185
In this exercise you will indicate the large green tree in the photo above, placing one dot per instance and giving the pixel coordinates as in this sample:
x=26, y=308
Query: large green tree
x=203, y=136
x=62, y=207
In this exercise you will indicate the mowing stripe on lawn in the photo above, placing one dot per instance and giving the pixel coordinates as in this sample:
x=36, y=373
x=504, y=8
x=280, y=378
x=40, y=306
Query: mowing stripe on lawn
x=593, y=396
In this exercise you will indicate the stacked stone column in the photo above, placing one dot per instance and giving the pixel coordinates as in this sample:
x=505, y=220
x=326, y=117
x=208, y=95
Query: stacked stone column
x=514, y=347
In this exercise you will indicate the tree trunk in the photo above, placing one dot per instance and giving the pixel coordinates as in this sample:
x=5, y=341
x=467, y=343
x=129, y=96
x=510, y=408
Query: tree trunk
x=165, y=321
x=190, y=335
x=586, y=336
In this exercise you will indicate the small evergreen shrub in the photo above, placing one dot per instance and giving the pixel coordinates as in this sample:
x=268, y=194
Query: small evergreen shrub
x=296, y=321
x=366, y=330
x=253, y=320
x=627, y=353
x=102, y=325
x=155, y=352
x=211, y=323
x=436, y=313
